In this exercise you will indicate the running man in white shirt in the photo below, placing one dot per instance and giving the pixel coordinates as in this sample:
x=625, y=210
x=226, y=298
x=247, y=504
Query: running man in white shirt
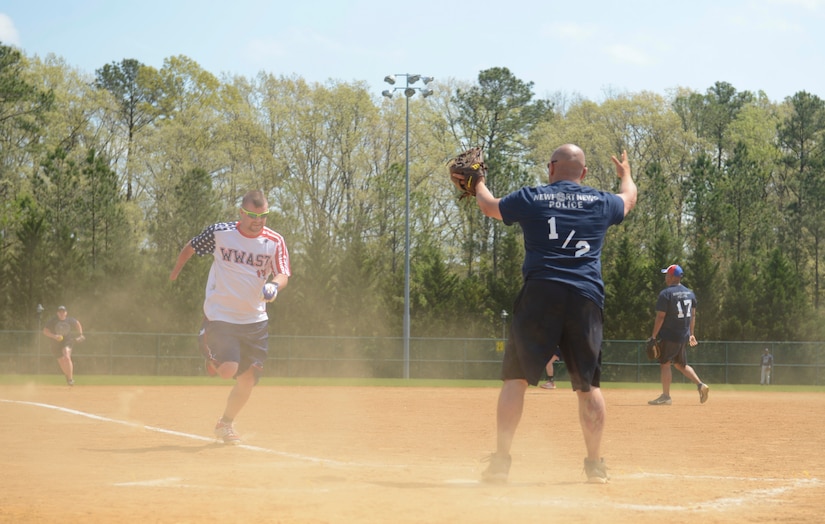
x=250, y=266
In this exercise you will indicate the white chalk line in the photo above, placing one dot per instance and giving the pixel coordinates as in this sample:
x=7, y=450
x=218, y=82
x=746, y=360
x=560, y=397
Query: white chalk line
x=750, y=498
x=753, y=496
x=178, y=482
x=296, y=456
x=759, y=495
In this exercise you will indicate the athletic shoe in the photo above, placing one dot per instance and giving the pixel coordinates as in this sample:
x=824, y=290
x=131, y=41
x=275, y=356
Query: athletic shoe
x=550, y=384
x=703, y=393
x=69, y=382
x=226, y=433
x=663, y=400
x=596, y=471
x=498, y=469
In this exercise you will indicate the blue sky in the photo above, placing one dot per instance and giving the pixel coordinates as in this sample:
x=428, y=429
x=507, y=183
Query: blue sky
x=585, y=47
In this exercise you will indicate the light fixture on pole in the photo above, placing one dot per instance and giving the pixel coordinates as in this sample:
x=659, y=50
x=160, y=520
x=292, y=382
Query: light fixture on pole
x=409, y=91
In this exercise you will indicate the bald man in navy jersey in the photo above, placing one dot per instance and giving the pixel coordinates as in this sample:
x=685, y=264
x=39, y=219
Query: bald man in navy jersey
x=561, y=302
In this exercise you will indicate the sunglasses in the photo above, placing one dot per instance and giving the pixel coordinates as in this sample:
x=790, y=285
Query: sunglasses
x=250, y=214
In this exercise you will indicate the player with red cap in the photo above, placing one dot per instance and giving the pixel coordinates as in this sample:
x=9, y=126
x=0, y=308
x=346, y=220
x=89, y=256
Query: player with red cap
x=674, y=327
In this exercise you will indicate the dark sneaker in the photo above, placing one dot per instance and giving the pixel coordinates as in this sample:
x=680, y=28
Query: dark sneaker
x=226, y=433
x=596, y=471
x=663, y=400
x=703, y=393
x=498, y=469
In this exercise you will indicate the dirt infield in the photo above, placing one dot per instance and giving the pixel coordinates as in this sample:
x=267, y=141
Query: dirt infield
x=102, y=454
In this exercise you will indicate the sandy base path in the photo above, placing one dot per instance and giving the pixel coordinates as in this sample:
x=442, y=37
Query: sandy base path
x=102, y=454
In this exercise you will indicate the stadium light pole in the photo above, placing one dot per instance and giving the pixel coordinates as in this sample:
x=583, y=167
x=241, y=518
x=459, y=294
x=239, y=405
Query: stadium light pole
x=409, y=92
x=504, y=324
x=39, y=310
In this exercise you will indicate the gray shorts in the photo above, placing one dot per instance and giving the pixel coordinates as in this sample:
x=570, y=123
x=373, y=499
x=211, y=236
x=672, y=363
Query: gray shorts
x=246, y=344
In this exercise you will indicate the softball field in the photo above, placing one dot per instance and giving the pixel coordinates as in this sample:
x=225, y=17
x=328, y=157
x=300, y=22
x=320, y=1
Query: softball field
x=342, y=454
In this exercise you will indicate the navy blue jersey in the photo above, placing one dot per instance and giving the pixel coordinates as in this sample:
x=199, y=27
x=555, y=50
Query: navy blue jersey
x=62, y=327
x=679, y=305
x=564, y=226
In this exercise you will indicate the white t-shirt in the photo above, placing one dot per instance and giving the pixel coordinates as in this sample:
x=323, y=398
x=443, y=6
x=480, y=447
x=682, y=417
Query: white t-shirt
x=240, y=269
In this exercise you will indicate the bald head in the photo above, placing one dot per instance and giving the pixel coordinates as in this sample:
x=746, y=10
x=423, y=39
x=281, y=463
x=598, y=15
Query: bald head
x=567, y=163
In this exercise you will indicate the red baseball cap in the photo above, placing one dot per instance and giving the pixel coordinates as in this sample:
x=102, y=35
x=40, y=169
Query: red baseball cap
x=674, y=270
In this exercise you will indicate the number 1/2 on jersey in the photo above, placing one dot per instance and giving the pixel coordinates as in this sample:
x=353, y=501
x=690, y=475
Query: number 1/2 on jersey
x=582, y=246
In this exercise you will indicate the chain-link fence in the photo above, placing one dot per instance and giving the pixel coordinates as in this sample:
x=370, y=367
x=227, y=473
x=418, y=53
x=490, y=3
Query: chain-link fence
x=167, y=354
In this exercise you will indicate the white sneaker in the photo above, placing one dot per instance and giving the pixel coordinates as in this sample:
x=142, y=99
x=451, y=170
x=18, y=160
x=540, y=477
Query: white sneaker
x=226, y=433
x=596, y=472
x=498, y=469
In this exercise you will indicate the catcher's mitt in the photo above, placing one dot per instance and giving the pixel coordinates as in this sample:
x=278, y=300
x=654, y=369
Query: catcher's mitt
x=466, y=170
x=653, y=349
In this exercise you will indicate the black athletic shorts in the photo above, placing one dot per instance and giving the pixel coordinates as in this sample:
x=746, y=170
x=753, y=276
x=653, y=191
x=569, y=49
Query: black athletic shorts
x=675, y=352
x=546, y=315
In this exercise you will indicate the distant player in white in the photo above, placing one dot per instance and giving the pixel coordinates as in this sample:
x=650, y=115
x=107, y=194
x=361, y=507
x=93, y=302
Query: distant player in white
x=250, y=266
x=767, y=365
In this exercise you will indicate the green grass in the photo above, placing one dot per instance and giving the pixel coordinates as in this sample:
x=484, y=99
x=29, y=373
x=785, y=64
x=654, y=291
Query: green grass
x=136, y=380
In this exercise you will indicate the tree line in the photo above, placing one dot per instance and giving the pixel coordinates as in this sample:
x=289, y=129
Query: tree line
x=104, y=176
